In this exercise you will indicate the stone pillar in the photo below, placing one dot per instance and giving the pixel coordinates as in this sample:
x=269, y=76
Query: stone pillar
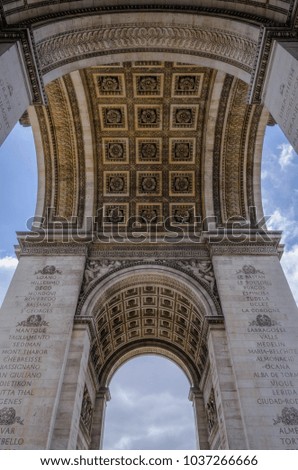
x=35, y=332
x=262, y=331
x=69, y=410
x=281, y=89
x=230, y=424
x=15, y=92
x=197, y=399
x=102, y=397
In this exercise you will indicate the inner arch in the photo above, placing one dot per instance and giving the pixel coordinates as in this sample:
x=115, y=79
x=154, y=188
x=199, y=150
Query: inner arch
x=149, y=408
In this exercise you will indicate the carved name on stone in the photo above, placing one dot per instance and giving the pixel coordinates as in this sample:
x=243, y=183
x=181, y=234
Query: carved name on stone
x=275, y=373
x=22, y=365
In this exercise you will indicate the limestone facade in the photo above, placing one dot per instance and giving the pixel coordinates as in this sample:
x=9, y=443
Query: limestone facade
x=149, y=234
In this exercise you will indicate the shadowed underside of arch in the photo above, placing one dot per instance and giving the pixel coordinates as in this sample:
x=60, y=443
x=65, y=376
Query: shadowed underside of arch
x=145, y=142
x=149, y=127
x=151, y=311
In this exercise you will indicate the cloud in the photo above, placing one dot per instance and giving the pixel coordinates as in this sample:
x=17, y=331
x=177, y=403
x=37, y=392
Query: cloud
x=286, y=155
x=286, y=223
x=7, y=268
x=265, y=174
x=149, y=407
x=8, y=262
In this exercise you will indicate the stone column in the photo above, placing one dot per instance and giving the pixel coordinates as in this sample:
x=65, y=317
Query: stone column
x=35, y=332
x=15, y=91
x=262, y=331
x=69, y=410
x=196, y=396
x=281, y=88
x=102, y=397
x=230, y=424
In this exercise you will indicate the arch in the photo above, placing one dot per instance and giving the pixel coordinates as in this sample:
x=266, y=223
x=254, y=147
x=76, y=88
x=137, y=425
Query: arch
x=225, y=140
x=168, y=309
x=149, y=309
x=193, y=284
x=72, y=43
x=153, y=305
x=153, y=347
x=157, y=390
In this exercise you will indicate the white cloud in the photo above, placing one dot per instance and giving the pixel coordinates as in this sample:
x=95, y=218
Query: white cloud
x=8, y=262
x=286, y=223
x=286, y=155
x=7, y=268
x=149, y=411
x=265, y=174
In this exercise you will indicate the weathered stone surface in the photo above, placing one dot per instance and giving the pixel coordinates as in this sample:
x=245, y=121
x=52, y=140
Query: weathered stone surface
x=15, y=94
x=281, y=91
x=261, y=320
x=37, y=315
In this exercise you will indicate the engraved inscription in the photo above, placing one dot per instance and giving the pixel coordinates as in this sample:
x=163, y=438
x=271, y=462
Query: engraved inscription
x=22, y=364
x=275, y=373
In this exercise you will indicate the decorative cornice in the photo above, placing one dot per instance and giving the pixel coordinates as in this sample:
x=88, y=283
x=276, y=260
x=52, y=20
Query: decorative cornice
x=51, y=249
x=243, y=250
x=267, y=36
x=153, y=252
x=87, y=320
x=221, y=45
x=200, y=10
x=26, y=41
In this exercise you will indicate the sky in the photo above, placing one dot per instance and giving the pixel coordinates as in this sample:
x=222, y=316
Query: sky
x=149, y=408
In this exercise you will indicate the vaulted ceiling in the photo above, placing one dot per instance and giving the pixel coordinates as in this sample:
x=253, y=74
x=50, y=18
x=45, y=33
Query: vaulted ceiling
x=144, y=142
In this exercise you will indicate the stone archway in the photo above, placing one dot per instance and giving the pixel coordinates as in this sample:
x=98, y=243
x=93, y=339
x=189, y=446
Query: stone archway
x=150, y=309
x=242, y=41
x=84, y=135
x=149, y=406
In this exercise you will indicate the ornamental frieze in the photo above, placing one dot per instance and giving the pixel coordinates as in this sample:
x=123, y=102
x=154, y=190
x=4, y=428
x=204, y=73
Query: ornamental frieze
x=216, y=43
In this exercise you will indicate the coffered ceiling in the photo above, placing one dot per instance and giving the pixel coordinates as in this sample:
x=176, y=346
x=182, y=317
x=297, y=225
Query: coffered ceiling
x=148, y=144
x=148, y=121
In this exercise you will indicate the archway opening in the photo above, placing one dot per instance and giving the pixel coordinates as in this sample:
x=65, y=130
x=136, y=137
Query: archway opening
x=149, y=407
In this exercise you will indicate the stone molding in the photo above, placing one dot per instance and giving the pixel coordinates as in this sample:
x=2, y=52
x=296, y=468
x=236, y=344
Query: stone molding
x=266, y=39
x=66, y=136
x=51, y=249
x=195, y=9
x=230, y=249
x=218, y=44
x=26, y=41
x=154, y=252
